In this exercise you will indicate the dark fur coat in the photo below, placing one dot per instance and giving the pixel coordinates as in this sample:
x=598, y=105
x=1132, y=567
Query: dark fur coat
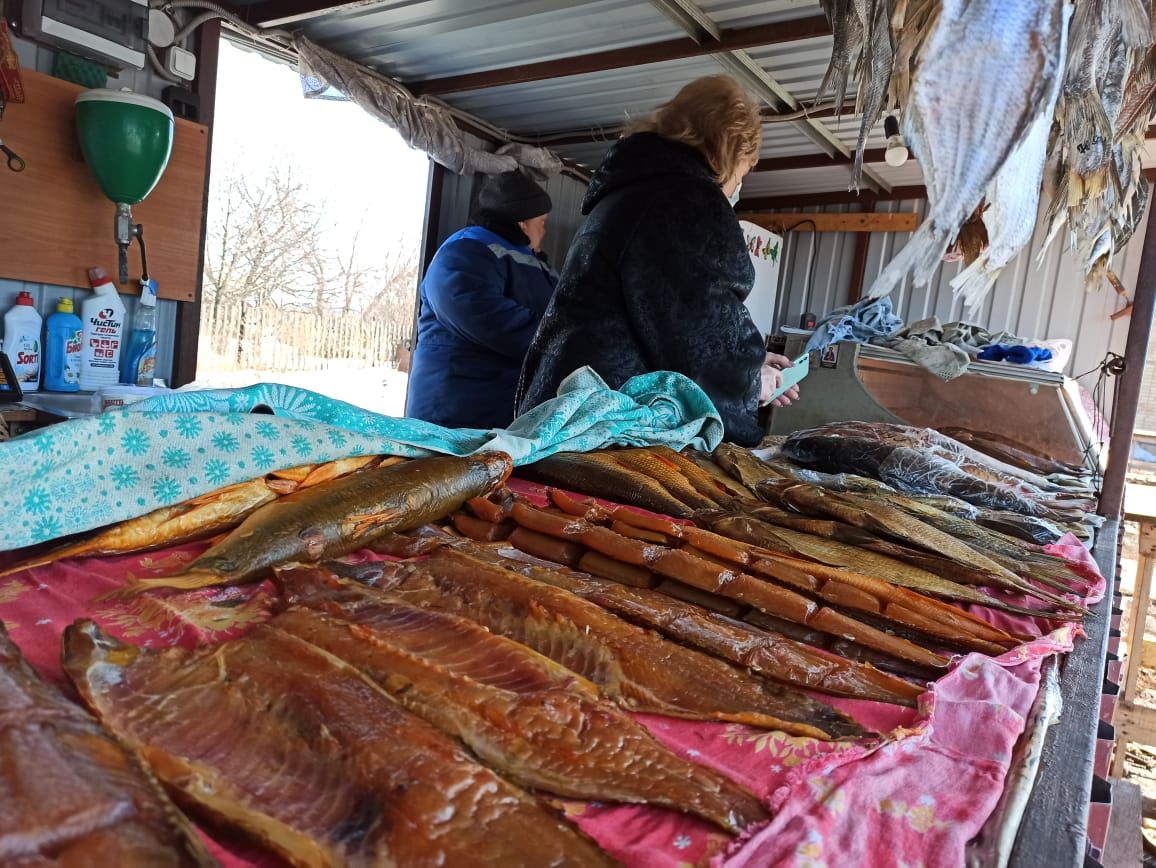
x=654, y=281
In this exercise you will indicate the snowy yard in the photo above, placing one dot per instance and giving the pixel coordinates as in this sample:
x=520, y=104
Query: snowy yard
x=380, y=389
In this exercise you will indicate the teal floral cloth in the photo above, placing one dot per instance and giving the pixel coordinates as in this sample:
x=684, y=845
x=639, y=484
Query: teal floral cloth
x=94, y=471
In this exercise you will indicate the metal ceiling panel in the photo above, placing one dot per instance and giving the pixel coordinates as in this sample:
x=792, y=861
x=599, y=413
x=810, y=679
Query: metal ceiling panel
x=580, y=101
x=749, y=13
x=434, y=38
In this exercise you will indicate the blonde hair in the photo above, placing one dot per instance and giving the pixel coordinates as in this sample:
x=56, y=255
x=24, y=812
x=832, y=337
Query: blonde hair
x=714, y=115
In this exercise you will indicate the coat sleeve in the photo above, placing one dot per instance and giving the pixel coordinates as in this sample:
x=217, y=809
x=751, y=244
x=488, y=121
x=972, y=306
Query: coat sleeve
x=465, y=288
x=684, y=274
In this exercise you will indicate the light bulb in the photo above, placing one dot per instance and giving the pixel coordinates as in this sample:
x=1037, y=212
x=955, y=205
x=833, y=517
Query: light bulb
x=896, y=153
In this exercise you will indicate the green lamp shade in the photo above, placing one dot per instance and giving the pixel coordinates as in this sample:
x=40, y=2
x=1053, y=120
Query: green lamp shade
x=126, y=139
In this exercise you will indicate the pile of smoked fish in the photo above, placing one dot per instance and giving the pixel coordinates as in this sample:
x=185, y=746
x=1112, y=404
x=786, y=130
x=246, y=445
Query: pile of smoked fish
x=421, y=708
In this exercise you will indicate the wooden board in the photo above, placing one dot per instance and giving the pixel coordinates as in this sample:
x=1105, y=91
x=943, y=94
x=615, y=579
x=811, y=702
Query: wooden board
x=1054, y=828
x=870, y=221
x=55, y=223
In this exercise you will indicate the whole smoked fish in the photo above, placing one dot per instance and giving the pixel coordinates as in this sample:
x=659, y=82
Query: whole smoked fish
x=69, y=794
x=341, y=516
x=284, y=742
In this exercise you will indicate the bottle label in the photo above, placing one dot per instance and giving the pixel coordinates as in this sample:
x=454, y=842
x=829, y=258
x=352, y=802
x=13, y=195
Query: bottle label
x=25, y=358
x=70, y=373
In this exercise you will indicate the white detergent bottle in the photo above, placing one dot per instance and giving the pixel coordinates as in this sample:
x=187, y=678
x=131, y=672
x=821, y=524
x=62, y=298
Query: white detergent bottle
x=22, y=327
x=103, y=319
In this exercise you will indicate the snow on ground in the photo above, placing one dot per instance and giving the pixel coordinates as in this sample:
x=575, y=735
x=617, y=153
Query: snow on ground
x=380, y=389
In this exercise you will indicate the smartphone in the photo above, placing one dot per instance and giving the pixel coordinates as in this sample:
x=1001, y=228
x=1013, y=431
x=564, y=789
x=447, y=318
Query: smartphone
x=792, y=375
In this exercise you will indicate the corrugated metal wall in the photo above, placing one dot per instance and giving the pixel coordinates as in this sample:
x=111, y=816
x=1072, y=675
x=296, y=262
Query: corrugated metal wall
x=41, y=59
x=1044, y=302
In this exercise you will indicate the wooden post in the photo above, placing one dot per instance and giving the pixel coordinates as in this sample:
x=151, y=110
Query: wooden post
x=859, y=261
x=1128, y=391
x=188, y=326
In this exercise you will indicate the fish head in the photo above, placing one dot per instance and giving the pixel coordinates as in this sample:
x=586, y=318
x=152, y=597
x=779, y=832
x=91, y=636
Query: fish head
x=497, y=466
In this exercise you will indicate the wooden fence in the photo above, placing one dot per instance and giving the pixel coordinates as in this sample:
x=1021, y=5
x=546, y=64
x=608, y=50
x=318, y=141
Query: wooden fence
x=272, y=339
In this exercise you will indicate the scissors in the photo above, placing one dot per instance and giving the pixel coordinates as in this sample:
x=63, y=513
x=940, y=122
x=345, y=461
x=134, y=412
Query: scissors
x=15, y=161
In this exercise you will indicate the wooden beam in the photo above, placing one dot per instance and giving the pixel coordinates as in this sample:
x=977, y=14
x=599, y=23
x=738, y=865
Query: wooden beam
x=837, y=197
x=620, y=58
x=272, y=13
x=821, y=221
x=818, y=161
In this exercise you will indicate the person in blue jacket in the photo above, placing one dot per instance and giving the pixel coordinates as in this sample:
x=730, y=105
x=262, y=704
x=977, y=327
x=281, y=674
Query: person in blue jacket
x=481, y=301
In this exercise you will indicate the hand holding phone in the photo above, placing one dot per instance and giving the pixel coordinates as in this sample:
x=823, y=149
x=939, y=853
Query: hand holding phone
x=788, y=378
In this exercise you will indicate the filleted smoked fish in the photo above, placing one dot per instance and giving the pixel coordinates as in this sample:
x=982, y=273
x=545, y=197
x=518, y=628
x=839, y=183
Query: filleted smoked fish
x=69, y=794
x=537, y=728
x=283, y=741
x=635, y=667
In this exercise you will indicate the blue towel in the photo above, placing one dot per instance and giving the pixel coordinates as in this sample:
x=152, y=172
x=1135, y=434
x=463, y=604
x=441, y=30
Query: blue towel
x=858, y=323
x=1017, y=355
x=94, y=471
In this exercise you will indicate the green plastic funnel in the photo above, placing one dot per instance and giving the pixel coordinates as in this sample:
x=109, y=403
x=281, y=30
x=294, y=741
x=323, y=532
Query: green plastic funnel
x=126, y=139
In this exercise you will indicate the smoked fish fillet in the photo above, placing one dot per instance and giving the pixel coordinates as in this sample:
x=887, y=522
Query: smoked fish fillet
x=522, y=714
x=273, y=736
x=71, y=795
x=635, y=667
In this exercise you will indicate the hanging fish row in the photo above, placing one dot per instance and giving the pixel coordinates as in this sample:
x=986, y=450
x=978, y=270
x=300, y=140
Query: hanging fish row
x=1000, y=102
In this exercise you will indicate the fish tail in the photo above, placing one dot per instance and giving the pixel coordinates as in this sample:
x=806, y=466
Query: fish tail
x=189, y=581
x=975, y=282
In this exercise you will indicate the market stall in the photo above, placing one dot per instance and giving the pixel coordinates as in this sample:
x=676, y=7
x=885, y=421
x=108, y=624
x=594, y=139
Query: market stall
x=261, y=626
x=827, y=692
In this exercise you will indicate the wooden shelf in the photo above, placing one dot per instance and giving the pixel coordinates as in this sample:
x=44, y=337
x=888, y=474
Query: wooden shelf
x=818, y=221
x=55, y=223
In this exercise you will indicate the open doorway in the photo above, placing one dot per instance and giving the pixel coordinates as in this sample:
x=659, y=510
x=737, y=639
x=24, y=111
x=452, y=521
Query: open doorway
x=311, y=253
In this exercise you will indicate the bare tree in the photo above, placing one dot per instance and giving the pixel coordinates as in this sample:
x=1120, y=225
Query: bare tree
x=258, y=245
x=267, y=265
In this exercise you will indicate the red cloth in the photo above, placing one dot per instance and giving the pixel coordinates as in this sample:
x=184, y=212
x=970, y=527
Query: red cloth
x=915, y=797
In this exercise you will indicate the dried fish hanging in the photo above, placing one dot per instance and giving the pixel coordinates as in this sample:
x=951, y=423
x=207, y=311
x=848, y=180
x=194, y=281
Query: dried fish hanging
x=962, y=128
x=1097, y=185
x=863, y=42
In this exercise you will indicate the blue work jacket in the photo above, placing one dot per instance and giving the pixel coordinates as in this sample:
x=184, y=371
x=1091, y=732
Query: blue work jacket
x=481, y=301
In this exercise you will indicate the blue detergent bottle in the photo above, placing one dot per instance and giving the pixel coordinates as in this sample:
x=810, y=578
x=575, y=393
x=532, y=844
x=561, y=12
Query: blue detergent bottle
x=139, y=360
x=62, y=349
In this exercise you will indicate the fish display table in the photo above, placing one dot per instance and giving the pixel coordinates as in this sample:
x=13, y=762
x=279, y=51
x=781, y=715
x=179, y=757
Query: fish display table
x=659, y=607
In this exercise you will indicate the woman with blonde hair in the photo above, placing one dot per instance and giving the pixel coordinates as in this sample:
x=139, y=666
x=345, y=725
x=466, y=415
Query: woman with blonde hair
x=656, y=278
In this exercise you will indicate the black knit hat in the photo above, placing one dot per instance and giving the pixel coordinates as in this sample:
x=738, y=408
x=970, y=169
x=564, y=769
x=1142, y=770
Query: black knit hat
x=511, y=196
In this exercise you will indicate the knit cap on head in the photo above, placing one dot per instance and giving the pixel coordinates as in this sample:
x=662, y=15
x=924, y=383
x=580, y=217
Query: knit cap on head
x=512, y=196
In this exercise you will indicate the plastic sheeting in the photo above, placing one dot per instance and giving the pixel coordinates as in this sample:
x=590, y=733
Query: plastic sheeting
x=424, y=125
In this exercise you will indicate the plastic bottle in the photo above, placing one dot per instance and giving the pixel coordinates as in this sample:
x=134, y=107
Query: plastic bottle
x=140, y=352
x=102, y=317
x=22, y=326
x=62, y=341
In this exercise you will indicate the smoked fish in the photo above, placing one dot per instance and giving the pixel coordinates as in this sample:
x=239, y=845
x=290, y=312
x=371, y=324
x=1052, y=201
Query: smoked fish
x=284, y=742
x=341, y=516
x=194, y=519
x=773, y=656
x=605, y=478
x=636, y=668
x=69, y=794
x=869, y=560
x=520, y=713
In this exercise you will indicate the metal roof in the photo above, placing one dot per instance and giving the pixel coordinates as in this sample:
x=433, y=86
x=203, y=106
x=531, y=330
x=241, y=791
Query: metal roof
x=421, y=42
x=573, y=89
